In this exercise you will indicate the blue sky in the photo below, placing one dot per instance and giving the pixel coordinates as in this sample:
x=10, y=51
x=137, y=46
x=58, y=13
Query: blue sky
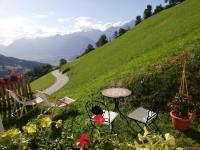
x=41, y=18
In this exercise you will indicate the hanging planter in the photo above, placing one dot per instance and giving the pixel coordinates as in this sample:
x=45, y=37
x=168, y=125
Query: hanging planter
x=183, y=110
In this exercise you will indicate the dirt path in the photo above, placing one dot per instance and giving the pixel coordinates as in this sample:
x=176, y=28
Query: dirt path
x=61, y=80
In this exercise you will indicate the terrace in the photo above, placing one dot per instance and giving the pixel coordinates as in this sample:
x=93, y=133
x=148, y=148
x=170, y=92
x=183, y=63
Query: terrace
x=70, y=127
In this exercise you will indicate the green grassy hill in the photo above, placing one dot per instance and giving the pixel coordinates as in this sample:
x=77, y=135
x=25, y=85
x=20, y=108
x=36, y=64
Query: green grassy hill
x=162, y=36
x=43, y=83
x=158, y=42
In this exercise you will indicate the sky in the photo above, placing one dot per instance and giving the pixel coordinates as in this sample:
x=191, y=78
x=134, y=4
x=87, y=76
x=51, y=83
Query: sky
x=43, y=18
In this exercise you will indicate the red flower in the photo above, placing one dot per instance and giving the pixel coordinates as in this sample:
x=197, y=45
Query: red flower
x=19, y=77
x=84, y=141
x=7, y=80
x=2, y=82
x=99, y=119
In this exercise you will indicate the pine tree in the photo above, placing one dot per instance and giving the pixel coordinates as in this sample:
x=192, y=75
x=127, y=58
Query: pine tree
x=138, y=20
x=102, y=40
x=115, y=35
x=148, y=12
x=122, y=31
x=158, y=9
x=89, y=48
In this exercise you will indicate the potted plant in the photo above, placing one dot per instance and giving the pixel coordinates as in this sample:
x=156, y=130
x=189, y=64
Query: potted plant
x=181, y=112
x=183, y=108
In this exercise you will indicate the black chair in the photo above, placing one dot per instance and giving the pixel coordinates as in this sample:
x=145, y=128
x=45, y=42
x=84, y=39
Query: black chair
x=99, y=108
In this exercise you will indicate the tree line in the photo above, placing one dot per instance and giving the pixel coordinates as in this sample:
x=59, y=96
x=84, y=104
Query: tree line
x=148, y=12
x=38, y=72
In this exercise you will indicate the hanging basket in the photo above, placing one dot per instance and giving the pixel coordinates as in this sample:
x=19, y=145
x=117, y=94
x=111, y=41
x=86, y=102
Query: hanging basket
x=183, y=85
x=178, y=122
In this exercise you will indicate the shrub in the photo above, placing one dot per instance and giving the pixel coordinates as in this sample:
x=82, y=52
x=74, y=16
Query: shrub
x=36, y=135
x=66, y=70
x=161, y=83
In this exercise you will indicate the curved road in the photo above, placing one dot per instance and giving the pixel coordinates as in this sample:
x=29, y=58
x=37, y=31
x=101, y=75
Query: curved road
x=61, y=80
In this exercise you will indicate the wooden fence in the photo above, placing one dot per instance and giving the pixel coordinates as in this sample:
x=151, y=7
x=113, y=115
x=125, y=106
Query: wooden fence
x=9, y=108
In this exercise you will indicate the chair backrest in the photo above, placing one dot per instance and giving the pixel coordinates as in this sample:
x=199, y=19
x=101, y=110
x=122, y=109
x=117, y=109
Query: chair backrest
x=14, y=96
x=96, y=108
x=151, y=115
x=153, y=108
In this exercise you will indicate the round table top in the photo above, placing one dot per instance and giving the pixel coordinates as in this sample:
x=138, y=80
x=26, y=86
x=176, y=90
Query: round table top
x=116, y=92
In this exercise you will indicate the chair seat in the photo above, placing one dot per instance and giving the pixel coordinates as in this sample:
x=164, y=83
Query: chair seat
x=35, y=101
x=113, y=115
x=141, y=114
x=63, y=102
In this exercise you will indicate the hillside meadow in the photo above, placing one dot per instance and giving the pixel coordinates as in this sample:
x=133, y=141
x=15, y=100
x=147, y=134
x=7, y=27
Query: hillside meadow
x=148, y=60
x=165, y=35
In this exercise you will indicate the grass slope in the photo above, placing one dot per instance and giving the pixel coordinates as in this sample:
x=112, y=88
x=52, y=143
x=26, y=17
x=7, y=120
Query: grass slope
x=162, y=36
x=43, y=82
x=155, y=41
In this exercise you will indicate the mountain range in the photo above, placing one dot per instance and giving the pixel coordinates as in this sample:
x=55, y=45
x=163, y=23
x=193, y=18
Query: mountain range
x=51, y=49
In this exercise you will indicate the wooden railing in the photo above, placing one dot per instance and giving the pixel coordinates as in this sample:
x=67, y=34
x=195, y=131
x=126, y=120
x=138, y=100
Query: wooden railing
x=9, y=108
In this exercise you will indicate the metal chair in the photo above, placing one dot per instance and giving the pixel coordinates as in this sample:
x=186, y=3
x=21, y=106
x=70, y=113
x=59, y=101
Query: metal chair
x=99, y=108
x=144, y=116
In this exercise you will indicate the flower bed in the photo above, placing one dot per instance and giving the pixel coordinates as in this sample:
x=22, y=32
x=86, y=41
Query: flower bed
x=43, y=133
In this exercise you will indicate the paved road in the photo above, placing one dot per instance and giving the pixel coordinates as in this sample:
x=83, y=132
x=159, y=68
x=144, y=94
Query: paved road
x=61, y=80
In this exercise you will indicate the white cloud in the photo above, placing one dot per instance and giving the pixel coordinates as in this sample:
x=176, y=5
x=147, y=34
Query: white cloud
x=41, y=16
x=52, y=13
x=61, y=20
x=85, y=23
x=18, y=27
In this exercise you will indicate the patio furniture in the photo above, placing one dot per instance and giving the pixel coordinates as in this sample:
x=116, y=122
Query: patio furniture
x=99, y=108
x=144, y=116
x=116, y=94
x=10, y=108
x=59, y=103
x=37, y=101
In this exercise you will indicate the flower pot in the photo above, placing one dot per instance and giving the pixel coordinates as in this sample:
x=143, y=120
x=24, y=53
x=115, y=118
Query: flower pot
x=180, y=123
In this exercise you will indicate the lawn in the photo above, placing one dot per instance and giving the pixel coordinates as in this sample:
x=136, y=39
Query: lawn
x=157, y=41
x=147, y=60
x=43, y=83
x=162, y=36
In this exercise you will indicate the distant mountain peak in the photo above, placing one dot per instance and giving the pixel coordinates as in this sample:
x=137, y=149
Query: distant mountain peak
x=51, y=49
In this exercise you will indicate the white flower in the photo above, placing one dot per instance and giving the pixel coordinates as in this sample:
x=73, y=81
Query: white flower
x=146, y=132
x=179, y=148
x=169, y=139
x=140, y=137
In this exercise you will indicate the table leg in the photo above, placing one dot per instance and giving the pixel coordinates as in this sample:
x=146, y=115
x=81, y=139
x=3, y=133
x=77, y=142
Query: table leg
x=116, y=109
x=116, y=105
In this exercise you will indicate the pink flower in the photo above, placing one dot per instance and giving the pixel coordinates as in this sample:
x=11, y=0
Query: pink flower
x=84, y=140
x=99, y=119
